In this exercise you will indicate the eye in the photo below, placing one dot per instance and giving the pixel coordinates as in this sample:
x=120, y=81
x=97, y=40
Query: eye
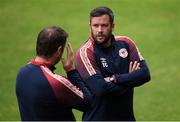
x=95, y=25
x=105, y=25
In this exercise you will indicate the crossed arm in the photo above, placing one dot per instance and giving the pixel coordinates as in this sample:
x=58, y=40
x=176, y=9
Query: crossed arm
x=132, y=67
x=138, y=74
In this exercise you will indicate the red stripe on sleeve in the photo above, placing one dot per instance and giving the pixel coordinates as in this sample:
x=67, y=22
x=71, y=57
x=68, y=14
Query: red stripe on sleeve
x=85, y=59
x=63, y=89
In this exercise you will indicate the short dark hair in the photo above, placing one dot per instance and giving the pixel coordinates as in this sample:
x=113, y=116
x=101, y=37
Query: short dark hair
x=49, y=39
x=102, y=10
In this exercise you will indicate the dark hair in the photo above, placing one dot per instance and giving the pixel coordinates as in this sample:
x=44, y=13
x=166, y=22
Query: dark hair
x=99, y=11
x=49, y=39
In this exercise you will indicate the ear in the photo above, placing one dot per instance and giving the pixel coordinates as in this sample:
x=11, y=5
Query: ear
x=59, y=50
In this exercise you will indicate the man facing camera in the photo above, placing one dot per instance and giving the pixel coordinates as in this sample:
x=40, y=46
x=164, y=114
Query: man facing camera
x=111, y=66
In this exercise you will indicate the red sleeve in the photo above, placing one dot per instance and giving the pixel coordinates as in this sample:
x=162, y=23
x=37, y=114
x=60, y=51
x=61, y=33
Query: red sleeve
x=63, y=89
x=85, y=61
x=134, y=53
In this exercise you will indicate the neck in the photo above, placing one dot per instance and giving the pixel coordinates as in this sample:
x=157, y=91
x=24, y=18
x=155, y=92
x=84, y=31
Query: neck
x=43, y=60
x=107, y=44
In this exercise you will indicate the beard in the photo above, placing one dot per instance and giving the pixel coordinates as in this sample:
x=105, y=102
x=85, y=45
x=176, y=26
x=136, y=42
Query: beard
x=101, y=39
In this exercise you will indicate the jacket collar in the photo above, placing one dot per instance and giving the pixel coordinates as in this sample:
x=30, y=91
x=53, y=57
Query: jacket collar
x=38, y=63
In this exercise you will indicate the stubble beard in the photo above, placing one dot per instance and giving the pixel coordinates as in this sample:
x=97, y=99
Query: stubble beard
x=105, y=41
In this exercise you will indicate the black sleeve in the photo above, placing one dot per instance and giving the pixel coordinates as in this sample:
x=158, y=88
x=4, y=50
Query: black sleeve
x=135, y=78
x=76, y=80
x=99, y=86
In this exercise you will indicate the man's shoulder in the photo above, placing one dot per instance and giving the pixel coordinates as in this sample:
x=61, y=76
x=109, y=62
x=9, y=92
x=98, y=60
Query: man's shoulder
x=86, y=46
x=27, y=71
x=125, y=39
x=28, y=68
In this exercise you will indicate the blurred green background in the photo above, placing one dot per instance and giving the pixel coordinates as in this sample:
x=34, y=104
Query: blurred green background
x=154, y=25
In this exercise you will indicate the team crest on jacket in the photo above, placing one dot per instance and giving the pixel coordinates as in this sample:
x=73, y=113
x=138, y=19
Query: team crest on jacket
x=123, y=53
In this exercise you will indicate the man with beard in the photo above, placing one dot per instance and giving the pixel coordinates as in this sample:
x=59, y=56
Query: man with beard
x=111, y=66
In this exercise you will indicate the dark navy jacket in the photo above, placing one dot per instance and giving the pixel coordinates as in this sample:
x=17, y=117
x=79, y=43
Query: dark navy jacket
x=112, y=101
x=43, y=95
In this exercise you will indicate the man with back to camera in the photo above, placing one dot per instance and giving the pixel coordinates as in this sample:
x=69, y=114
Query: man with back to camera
x=111, y=66
x=44, y=95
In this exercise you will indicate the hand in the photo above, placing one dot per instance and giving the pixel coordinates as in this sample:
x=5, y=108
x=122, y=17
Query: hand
x=107, y=79
x=134, y=66
x=110, y=79
x=68, y=63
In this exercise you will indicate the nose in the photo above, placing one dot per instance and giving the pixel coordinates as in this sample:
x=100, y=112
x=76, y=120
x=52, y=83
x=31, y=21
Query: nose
x=99, y=28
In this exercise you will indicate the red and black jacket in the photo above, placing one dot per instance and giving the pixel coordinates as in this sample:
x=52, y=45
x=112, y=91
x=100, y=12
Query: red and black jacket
x=44, y=95
x=112, y=101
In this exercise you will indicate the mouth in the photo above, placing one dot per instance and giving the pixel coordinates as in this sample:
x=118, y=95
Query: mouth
x=100, y=36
